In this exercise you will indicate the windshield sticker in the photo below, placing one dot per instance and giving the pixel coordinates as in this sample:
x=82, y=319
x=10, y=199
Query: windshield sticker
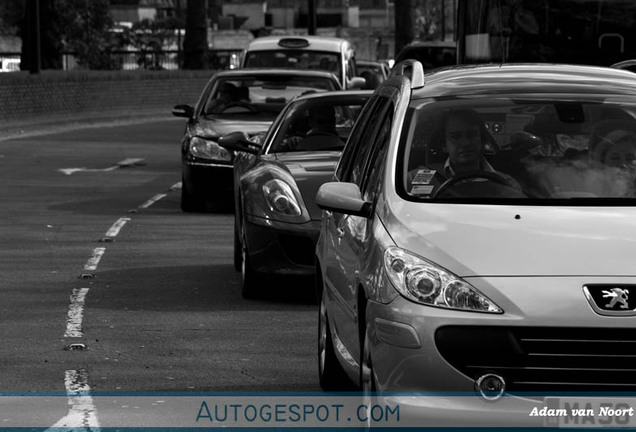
x=422, y=189
x=423, y=177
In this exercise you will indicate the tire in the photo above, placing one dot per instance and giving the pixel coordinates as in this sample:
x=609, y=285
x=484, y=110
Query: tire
x=248, y=276
x=330, y=373
x=367, y=377
x=238, y=258
x=189, y=203
x=368, y=384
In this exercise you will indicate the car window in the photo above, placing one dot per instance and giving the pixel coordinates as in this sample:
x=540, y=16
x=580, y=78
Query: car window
x=317, y=124
x=375, y=166
x=521, y=149
x=365, y=124
x=250, y=95
x=365, y=143
x=297, y=59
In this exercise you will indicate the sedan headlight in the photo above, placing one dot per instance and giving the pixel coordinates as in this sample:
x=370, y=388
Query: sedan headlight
x=206, y=149
x=423, y=282
x=280, y=198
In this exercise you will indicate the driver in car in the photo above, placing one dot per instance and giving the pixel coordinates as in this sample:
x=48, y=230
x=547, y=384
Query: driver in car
x=464, y=135
x=322, y=124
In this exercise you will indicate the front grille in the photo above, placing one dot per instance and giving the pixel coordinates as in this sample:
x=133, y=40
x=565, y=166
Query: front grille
x=544, y=359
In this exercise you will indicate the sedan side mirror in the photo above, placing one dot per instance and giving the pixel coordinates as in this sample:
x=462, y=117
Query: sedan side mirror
x=343, y=198
x=182, y=111
x=239, y=141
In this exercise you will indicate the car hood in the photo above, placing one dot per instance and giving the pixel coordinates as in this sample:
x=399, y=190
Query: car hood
x=214, y=128
x=488, y=240
x=310, y=170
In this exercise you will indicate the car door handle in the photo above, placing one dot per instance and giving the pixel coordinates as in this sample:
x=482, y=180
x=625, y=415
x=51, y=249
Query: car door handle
x=340, y=232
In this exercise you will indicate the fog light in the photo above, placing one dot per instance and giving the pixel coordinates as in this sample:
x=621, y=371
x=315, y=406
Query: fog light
x=490, y=386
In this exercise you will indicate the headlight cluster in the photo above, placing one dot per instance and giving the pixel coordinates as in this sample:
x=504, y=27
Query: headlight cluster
x=206, y=149
x=280, y=198
x=424, y=282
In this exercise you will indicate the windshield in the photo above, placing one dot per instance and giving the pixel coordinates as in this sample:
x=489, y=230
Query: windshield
x=563, y=31
x=317, y=125
x=297, y=59
x=521, y=150
x=245, y=95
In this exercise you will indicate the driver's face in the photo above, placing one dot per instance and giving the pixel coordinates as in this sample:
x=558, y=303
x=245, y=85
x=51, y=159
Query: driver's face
x=463, y=143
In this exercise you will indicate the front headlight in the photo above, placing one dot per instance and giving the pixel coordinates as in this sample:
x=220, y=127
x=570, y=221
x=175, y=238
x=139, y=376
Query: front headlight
x=423, y=282
x=206, y=149
x=280, y=198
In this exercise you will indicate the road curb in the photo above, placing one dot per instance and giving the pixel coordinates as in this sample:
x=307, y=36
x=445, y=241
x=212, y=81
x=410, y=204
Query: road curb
x=52, y=125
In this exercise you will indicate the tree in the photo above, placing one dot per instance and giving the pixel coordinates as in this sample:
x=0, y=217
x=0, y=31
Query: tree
x=50, y=36
x=150, y=37
x=195, y=43
x=87, y=30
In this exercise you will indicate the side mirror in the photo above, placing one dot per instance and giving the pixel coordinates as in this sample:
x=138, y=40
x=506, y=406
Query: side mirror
x=239, y=141
x=343, y=198
x=356, y=83
x=183, y=111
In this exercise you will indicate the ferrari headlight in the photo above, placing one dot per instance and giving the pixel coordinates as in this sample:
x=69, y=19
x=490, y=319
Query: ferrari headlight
x=206, y=149
x=280, y=198
x=423, y=282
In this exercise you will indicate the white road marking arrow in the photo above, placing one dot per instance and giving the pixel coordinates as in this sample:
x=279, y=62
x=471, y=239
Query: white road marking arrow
x=121, y=164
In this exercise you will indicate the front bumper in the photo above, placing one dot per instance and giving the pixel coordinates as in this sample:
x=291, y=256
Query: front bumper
x=541, y=348
x=281, y=248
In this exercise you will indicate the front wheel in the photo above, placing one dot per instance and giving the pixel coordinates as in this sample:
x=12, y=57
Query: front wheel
x=238, y=258
x=330, y=373
x=248, y=275
x=367, y=377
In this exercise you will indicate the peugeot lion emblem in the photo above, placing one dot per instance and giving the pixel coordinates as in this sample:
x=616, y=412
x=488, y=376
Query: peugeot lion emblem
x=612, y=300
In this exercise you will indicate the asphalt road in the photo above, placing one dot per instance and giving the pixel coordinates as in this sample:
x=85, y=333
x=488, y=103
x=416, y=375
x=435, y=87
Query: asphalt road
x=156, y=307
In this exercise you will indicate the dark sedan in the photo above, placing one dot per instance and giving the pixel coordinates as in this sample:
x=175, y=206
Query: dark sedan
x=276, y=219
x=245, y=100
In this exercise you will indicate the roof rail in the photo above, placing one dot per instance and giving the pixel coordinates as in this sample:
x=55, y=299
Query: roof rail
x=412, y=69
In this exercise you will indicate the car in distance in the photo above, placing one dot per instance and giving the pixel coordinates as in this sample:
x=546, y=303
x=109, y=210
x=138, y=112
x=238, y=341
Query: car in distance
x=432, y=54
x=328, y=54
x=240, y=99
x=276, y=219
x=9, y=65
x=478, y=239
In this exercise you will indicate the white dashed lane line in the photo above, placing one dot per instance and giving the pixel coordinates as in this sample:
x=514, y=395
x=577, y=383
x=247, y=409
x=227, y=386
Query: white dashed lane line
x=117, y=226
x=82, y=413
x=93, y=261
x=76, y=313
x=152, y=200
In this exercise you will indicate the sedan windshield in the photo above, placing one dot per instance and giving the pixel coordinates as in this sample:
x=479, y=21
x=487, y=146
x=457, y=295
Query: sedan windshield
x=248, y=95
x=521, y=149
